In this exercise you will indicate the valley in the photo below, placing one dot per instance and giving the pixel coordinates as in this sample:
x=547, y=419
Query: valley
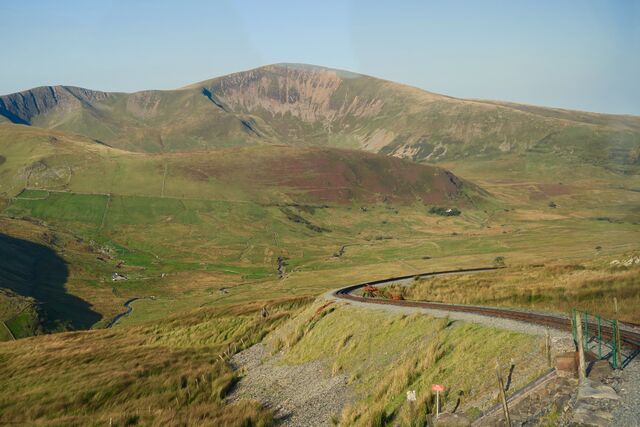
x=268, y=188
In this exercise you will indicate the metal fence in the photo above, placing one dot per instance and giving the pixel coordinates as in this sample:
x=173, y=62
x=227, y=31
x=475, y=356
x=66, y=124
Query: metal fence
x=601, y=336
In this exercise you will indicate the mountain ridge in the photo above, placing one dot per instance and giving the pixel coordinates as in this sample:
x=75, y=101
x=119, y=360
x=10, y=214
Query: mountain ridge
x=341, y=72
x=299, y=104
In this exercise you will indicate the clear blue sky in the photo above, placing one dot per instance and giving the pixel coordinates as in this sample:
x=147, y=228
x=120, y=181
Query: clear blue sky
x=573, y=54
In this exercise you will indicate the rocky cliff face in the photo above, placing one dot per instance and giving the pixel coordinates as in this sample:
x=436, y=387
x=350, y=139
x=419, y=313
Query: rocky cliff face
x=308, y=93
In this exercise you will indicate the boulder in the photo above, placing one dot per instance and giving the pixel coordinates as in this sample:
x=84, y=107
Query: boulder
x=599, y=370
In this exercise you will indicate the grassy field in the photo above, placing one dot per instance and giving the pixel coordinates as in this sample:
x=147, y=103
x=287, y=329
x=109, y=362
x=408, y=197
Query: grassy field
x=190, y=249
x=19, y=316
x=172, y=372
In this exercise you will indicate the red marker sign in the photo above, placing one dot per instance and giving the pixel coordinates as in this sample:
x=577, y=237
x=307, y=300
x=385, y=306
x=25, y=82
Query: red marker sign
x=437, y=387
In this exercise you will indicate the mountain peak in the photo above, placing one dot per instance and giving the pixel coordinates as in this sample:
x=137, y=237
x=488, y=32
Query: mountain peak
x=316, y=69
x=281, y=68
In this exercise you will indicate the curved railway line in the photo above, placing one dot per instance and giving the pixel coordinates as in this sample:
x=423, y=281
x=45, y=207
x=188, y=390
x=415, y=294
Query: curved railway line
x=629, y=333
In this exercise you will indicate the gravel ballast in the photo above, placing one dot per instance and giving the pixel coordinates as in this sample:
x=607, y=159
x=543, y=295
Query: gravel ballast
x=301, y=395
x=627, y=413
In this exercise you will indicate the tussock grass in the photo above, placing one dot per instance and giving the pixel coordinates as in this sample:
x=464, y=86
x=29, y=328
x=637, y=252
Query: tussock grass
x=384, y=355
x=169, y=373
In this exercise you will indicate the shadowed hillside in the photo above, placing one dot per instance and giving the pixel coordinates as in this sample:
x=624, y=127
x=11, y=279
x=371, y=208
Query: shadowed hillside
x=32, y=279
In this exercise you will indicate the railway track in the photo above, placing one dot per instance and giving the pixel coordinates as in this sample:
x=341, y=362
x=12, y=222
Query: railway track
x=628, y=335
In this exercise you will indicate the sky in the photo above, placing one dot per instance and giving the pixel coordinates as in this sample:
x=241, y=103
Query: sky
x=572, y=54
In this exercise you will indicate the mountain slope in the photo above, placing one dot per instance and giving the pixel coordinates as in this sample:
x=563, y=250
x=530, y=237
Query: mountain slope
x=38, y=158
x=306, y=105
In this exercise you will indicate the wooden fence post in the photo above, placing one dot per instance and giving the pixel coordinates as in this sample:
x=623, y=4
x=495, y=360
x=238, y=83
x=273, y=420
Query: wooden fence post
x=503, y=398
x=547, y=346
x=581, y=363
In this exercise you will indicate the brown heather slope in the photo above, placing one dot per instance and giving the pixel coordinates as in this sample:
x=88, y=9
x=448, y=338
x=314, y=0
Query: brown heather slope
x=326, y=175
x=298, y=104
